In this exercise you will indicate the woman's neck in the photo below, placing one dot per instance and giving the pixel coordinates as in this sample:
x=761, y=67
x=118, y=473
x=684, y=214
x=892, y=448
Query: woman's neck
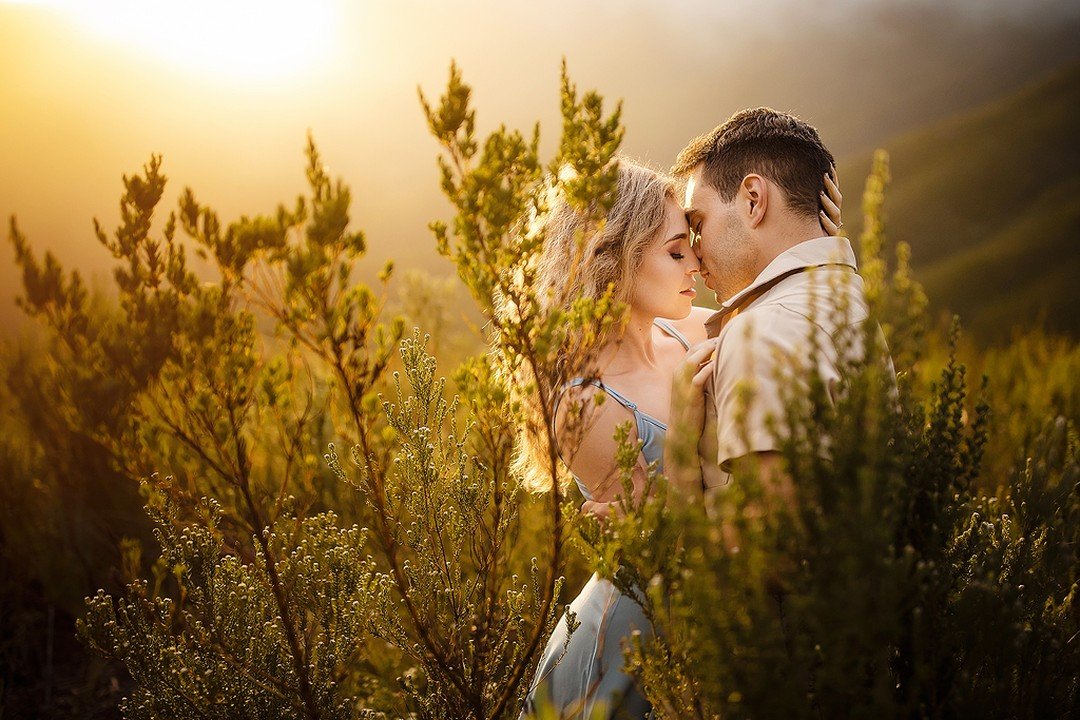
x=633, y=348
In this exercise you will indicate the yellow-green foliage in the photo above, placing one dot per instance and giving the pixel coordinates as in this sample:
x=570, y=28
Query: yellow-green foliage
x=928, y=569
x=409, y=584
x=1031, y=383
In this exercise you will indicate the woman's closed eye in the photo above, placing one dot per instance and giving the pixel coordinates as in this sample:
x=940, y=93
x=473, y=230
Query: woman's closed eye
x=677, y=246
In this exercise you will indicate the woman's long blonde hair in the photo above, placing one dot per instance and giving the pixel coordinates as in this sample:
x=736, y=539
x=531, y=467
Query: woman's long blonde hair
x=581, y=259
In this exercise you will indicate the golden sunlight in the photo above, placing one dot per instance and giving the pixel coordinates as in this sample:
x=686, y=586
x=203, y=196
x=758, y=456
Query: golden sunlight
x=251, y=40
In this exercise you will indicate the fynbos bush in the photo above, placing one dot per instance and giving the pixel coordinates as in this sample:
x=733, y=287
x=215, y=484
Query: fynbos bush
x=410, y=575
x=421, y=581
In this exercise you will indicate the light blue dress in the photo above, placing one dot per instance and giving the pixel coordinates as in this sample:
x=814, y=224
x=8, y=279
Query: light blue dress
x=584, y=678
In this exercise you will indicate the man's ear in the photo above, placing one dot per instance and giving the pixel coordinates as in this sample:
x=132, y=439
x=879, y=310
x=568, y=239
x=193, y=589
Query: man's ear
x=754, y=199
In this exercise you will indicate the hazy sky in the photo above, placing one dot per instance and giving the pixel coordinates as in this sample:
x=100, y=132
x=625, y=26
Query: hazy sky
x=226, y=90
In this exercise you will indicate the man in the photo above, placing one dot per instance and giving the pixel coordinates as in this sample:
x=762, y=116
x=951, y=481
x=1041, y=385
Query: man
x=754, y=198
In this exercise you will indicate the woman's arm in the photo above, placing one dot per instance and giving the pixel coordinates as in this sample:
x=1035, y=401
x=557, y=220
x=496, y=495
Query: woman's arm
x=682, y=464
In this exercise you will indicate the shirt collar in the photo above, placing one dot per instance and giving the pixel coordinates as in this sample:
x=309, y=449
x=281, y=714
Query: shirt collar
x=807, y=254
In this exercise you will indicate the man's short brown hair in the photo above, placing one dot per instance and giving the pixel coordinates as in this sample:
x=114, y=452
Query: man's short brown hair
x=772, y=144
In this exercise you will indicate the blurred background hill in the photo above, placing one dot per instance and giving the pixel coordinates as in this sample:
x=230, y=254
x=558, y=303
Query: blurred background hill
x=974, y=98
x=990, y=202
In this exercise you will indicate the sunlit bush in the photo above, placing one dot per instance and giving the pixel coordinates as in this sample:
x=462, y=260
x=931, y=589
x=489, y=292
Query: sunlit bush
x=338, y=534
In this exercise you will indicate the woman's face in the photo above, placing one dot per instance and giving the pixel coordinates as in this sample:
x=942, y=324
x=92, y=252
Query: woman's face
x=664, y=282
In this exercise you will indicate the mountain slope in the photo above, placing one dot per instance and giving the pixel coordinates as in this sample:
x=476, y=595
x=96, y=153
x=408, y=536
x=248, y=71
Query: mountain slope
x=990, y=203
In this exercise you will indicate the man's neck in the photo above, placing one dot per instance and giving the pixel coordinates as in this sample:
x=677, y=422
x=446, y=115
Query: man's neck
x=787, y=234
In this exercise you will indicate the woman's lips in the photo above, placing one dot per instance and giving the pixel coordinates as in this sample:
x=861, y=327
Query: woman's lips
x=690, y=293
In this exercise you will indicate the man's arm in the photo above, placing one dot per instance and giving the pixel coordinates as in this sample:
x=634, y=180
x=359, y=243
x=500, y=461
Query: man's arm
x=778, y=488
x=758, y=356
x=778, y=495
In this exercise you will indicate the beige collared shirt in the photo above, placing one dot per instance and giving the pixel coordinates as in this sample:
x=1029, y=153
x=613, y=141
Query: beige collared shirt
x=804, y=299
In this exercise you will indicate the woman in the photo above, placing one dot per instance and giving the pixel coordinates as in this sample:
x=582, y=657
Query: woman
x=643, y=251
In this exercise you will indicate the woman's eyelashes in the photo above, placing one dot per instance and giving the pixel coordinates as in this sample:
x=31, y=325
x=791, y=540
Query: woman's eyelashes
x=678, y=246
x=679, y=250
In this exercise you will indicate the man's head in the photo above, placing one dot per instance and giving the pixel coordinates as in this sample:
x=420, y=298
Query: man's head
x=752, y=191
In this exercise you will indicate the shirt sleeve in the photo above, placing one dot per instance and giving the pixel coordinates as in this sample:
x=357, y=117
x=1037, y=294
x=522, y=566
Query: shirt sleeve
x=763, y=361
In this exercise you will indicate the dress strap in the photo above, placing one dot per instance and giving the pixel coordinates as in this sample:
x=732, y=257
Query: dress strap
x=578, y=382
x=670, y=330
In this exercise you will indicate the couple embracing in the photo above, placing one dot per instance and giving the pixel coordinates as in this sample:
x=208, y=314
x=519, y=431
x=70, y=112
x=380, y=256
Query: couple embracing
x=758, y=220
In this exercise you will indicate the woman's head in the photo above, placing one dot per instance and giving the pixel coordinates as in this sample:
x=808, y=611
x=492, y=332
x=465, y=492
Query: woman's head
x=578, y=263
x=663, y=279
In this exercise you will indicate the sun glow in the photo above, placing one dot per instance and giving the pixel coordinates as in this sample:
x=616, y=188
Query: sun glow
x=253, y=40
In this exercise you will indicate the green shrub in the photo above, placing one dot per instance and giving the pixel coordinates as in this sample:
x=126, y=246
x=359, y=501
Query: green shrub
x=411, y=576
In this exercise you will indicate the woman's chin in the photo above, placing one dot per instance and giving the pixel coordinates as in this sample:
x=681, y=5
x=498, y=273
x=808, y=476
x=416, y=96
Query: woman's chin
x=681, y=313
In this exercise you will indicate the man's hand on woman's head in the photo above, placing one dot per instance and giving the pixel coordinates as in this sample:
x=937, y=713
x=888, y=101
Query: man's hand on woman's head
x=831, y=202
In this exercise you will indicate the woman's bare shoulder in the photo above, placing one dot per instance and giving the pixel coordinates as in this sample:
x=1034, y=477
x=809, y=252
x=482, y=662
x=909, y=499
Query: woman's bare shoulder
x=585, y=429
x=582, y=408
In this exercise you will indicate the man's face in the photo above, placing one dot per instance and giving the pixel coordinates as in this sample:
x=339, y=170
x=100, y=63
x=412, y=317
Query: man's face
x=723, y=243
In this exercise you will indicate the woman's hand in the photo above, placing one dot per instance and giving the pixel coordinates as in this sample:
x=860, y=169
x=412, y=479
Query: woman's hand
x=601, y=510
x=687, y=415
x=831, y=202
x=686, y=419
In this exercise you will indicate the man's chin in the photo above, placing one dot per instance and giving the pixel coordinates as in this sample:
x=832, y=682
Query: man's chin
x=707, y=280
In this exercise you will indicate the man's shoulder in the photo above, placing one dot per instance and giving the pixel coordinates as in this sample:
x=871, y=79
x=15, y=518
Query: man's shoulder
x=768, y=322
x=763, y=334
x=814, y=301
